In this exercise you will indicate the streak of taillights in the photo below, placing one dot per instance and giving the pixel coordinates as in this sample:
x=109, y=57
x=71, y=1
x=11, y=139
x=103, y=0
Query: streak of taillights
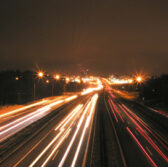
x=142, y=148
x=132, y=119
x=153, y=144
x=160, y=112
x=149, y=132
x=113, y=112
x=145, y=126
x=116, y=110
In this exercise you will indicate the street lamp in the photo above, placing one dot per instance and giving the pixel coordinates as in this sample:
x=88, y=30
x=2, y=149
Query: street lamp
x=57, y=77
x=67, y=79
x=47, y=81
x=40, y=75
x=139, y=79
x=17, y=78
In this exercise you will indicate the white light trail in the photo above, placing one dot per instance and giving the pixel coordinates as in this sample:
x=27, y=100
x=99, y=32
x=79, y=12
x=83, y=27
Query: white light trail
x=69, y=116
x=71, y=98
x=94, y=100
x=56, y=147
x=23, y=108
x=46, y=148
x=61, y=130
x=74, y=136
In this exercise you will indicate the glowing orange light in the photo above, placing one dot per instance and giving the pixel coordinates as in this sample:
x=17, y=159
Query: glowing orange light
x=57, y=77
x=139, y=79
x=17, y=78
x=47, y=81
x=67, y=79
x=77, y=80
x=40, y=74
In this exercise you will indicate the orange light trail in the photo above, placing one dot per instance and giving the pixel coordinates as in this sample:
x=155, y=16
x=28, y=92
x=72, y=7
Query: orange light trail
x=23, y=108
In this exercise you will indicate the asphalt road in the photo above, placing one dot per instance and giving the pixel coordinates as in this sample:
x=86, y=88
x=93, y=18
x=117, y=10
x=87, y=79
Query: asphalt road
x=143, y=140
x=96, y=130
x=63, y=141
x=16, y=120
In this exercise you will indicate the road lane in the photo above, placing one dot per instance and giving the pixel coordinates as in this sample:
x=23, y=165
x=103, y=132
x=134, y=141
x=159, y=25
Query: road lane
x=142, y=134
x=50, y=145
x=25, y=118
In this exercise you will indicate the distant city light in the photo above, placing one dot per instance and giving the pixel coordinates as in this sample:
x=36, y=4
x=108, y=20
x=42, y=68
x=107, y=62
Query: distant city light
x=77, y=80
x=47, y=81
x=17, y=78
x=121, y=81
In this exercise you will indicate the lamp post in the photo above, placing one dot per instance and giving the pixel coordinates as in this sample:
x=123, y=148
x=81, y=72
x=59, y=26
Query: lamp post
x=40, y=75
x=56, y=77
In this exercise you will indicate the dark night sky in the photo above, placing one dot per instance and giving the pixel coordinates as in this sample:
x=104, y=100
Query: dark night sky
x=106, y=36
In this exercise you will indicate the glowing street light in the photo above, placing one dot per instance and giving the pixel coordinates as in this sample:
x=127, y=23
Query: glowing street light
x=40, y=74
x=67, y=79
x=47, y=81
x=139, y=79
x=57, y=77
x=17, y=78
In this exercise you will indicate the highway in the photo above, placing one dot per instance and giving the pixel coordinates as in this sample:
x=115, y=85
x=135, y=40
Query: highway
x=16, y=120
x=143, y=139
x=93, y=128
x=62, y=141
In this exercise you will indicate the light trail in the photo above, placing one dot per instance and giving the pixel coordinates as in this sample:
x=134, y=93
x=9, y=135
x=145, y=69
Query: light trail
x=142, y=148
x=28, y=117
x=23, y=108
x=117, y=110
x=131, y=118
x=33, y=114
x=147, y=136
x=90, y=90
x=46, y=148
x=69, y=116
x=74, y=136
x=56, y=147
x=49, y=145
x=78, y=108
x=32, y=149
x=71, y=98
x=20, y=123
x=153, y=144
x=75, y=114
x=159, y=112
x=84, y=130
x=113, y=112
x=43, y=109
